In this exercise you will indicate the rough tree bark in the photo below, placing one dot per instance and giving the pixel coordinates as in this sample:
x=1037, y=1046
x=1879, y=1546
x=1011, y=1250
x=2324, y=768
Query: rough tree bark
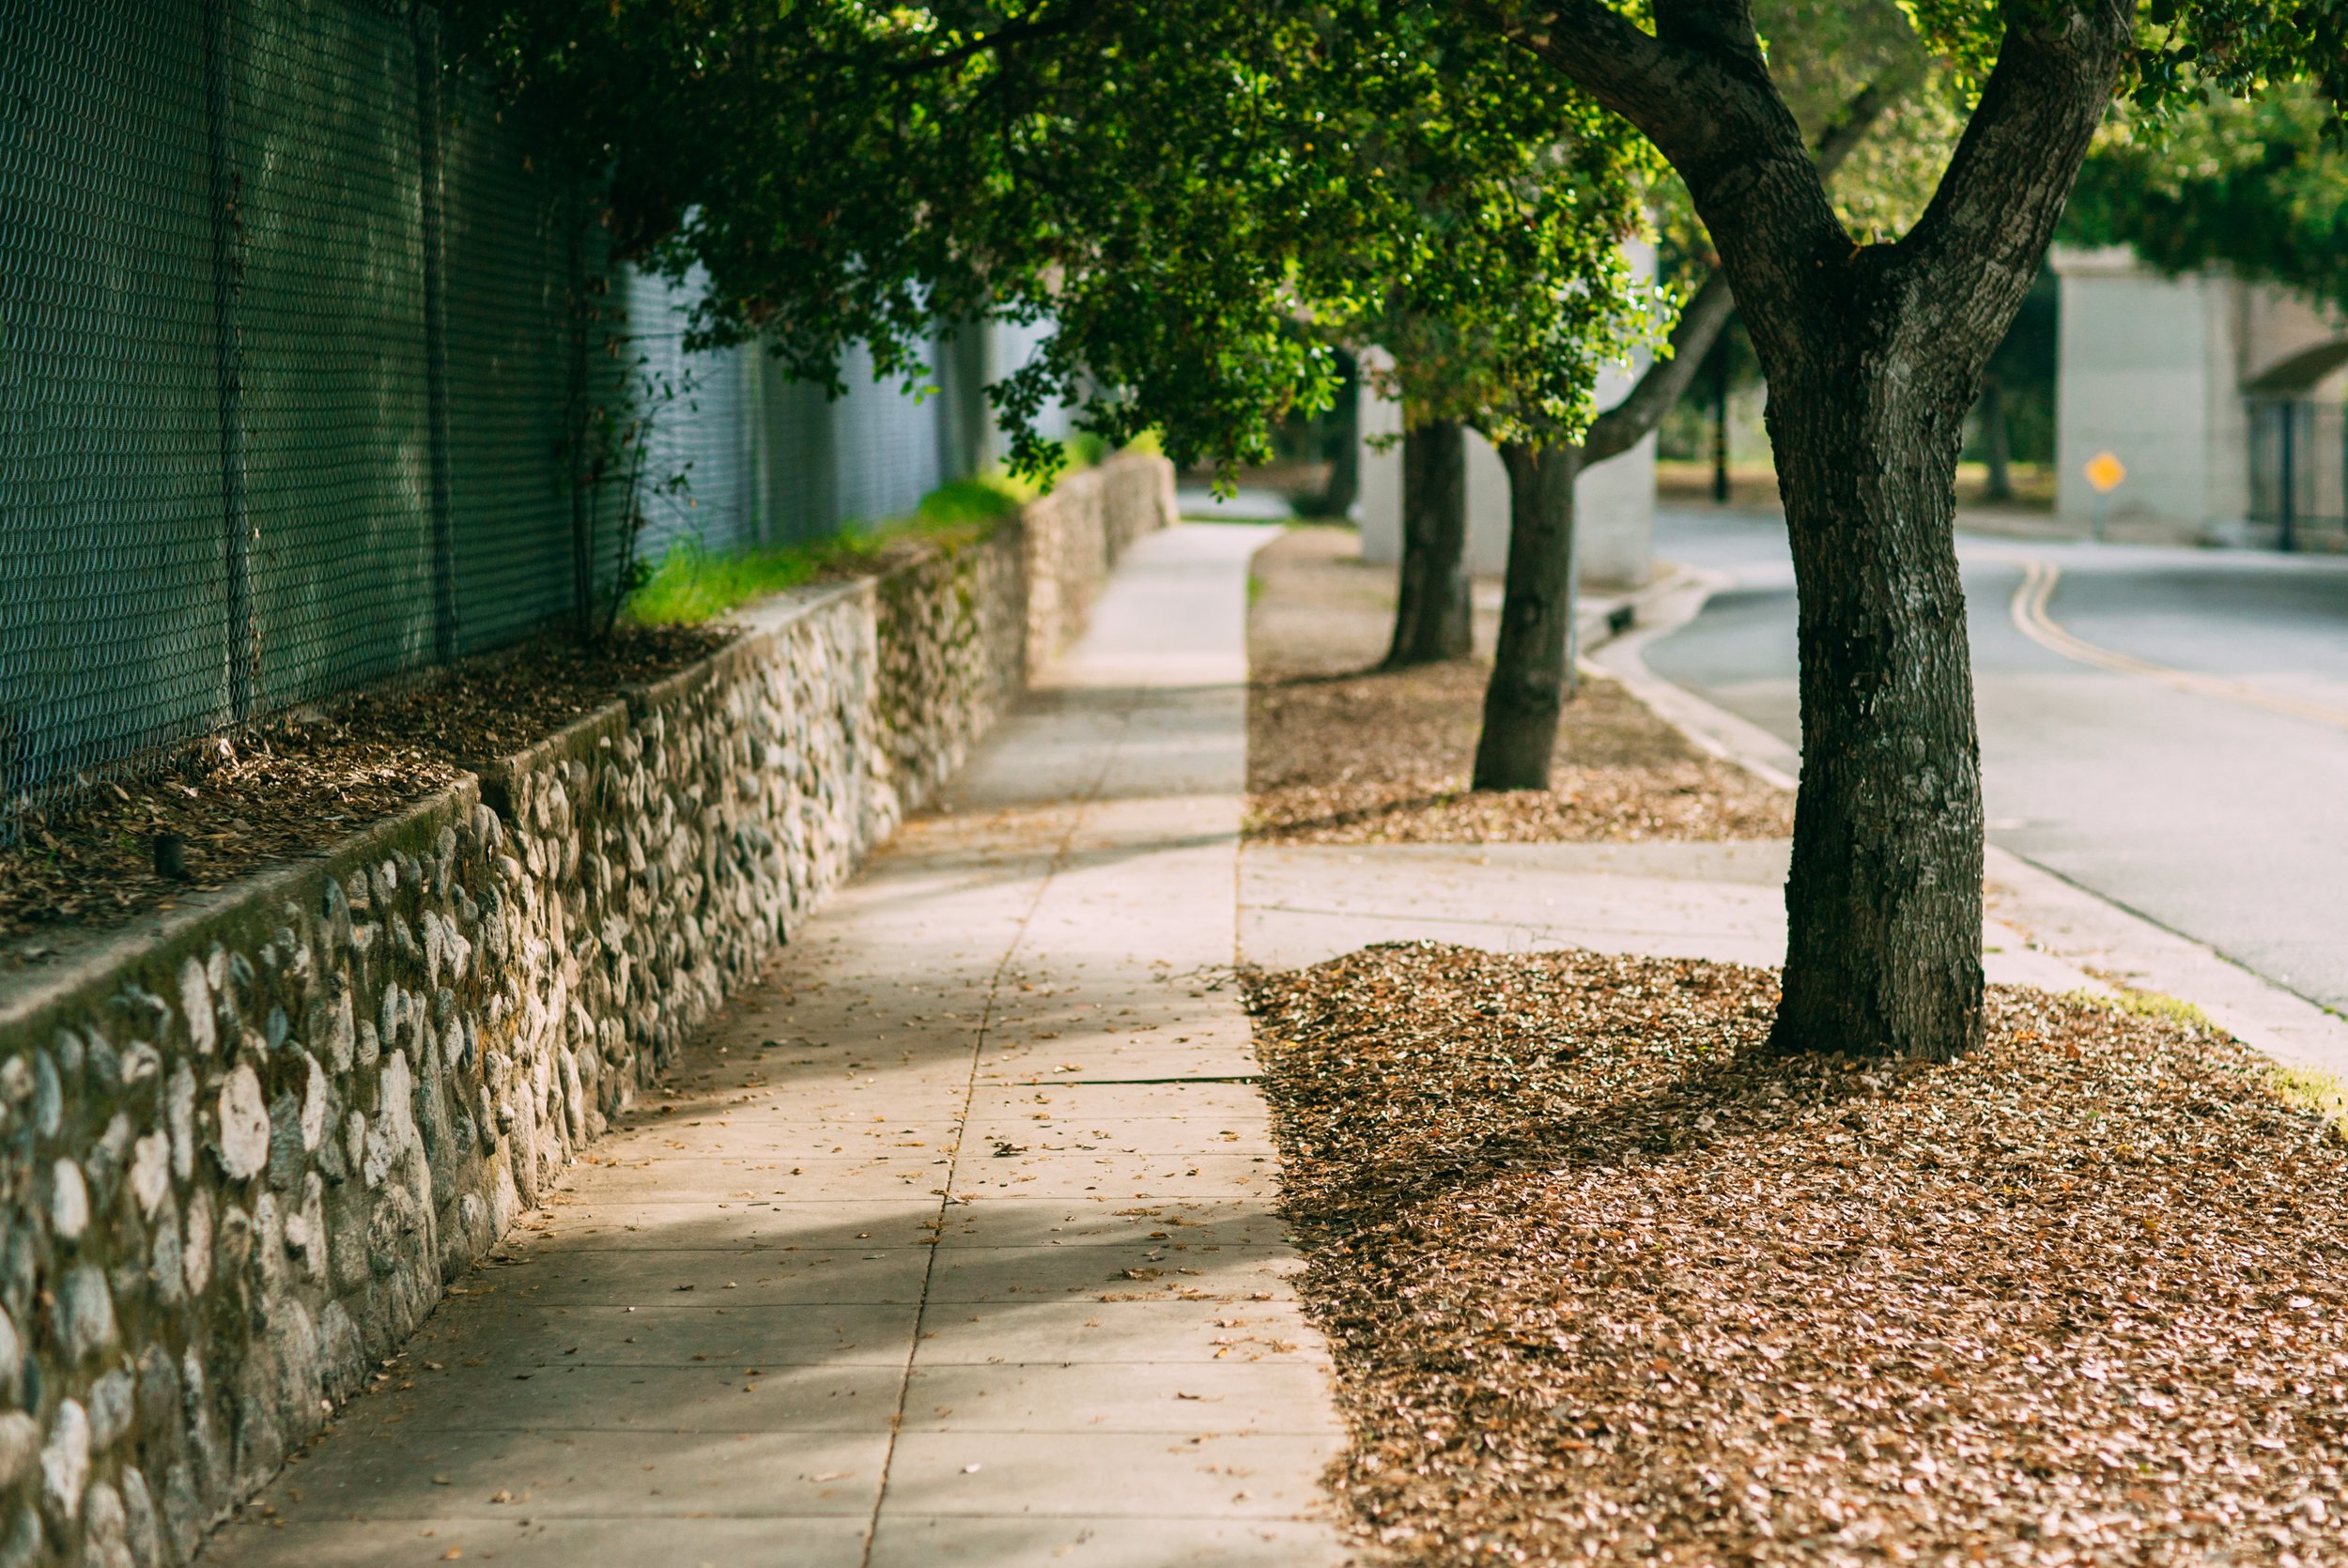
x=1432, y=619
x=1533, y=667
x=1873, y=354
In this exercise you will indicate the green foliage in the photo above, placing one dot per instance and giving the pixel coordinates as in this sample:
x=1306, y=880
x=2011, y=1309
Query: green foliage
x=1175, y=188
x=1178, y=188
x=2259, y=186
x=1822, y=55
x=1488, y=257
x=2185, y=50
x=692, y=585
x=839, y=172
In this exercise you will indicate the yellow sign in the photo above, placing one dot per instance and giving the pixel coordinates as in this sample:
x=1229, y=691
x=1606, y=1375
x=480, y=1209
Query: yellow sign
x=2104, y=471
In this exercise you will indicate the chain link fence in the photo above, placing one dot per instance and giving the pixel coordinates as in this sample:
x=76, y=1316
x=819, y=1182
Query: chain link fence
x=297, y=351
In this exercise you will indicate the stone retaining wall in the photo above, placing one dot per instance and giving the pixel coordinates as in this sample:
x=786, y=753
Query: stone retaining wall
x=244, y=1144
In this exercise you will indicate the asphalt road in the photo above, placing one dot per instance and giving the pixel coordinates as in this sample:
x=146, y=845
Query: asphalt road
x=2170, y=730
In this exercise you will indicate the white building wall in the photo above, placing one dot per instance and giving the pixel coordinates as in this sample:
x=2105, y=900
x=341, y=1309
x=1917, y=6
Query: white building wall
x=2145, y=372
x=1377, y=506
x=1615, y=501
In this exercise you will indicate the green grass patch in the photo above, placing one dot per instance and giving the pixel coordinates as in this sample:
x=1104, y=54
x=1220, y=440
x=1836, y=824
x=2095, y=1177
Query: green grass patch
x=2306, y=1088
x=691, y=584
x=2151, y=1004
x=2312, y=1089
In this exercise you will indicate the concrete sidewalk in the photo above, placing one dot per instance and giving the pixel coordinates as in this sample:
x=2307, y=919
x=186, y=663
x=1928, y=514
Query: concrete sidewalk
x=1301, y=903
x=954, y=1243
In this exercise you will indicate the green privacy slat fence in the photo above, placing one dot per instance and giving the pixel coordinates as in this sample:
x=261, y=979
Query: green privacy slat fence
x=112, y=599
x=509, y=242
x=293, y=333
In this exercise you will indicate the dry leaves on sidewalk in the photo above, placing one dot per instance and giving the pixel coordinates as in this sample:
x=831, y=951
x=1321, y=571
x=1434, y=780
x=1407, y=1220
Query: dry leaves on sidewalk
x=1606, y=1284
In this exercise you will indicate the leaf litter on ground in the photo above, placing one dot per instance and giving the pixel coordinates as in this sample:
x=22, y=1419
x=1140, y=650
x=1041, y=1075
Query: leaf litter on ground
x=1606, y=1282
x=296, y=783
x=1340, y=752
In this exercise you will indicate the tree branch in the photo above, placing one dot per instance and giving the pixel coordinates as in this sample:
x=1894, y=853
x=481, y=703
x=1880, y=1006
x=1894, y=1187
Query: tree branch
x=1706, y=311
x=1838, y=140
x=1714, y=27
x=1702, y=94
x=1626, y=424
x=1655, y=85
x=1978, y=247
x=1023, y=31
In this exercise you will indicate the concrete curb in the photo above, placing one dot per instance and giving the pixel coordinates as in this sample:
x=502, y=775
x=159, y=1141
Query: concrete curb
x=1601, y=618
x=2056, y=915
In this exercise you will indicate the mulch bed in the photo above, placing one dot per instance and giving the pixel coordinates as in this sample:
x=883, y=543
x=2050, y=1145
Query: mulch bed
x=1342, y=752
x=298, y=784
x=1605, y=1283
x=1383, y=757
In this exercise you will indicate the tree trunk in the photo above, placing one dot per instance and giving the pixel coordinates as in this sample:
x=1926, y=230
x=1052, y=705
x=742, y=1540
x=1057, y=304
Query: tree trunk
x=1533, y=673
x=1873, y=353
x=1883, y=903
x=1433, y=617
x=1994, y=448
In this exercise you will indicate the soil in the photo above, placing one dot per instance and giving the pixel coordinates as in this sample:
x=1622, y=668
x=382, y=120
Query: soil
x=1605, y=1283
x=295, y=785
x=1340, y=752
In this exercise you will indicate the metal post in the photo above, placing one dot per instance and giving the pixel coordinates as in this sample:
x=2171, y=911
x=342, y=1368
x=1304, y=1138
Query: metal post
x=242, y=650
x=1720, y=422
x=426, y=24
x=2289, y=498
x=578, y=418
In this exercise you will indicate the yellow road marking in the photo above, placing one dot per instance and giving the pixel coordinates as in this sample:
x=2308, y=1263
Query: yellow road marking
x=2032, y=619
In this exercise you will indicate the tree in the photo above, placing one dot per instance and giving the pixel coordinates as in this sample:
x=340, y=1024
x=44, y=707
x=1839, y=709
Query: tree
x=1343, y=164
x=1533, y=667
x=1874, y=352
x=1434, y=606
x=1502, y=290
x=834, y=174
x=1533, y=671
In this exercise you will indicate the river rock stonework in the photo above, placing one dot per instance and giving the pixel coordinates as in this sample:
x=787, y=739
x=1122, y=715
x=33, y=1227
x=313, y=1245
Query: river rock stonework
x=245, y=1144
